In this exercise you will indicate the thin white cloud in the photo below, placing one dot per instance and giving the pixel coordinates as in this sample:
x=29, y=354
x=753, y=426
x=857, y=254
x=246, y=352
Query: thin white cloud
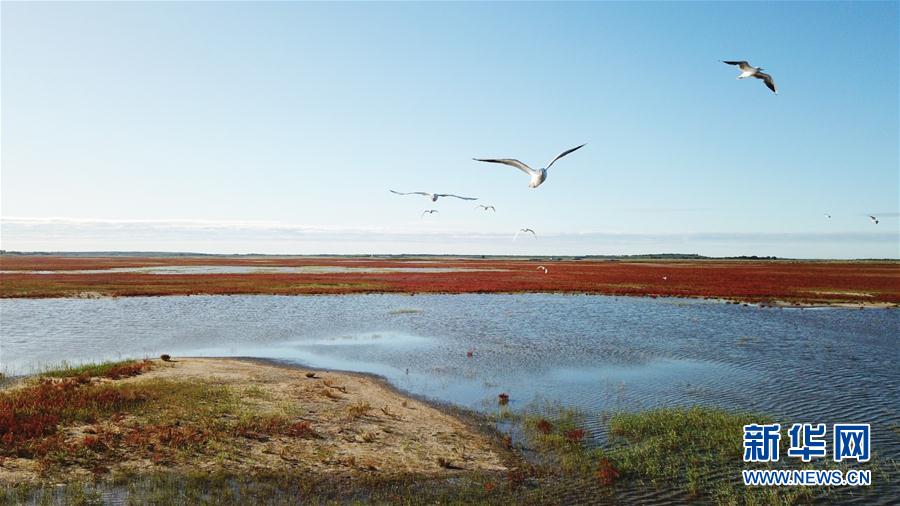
x=234, y=236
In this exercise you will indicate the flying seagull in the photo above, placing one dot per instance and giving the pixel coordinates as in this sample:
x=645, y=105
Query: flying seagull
x=485, y=208
x=434, y=196
x=541, y=267
x=537, y=176
x=828, y=216
x=428, y=211
x=524, y=231
x=874, y=219
x=748, y=70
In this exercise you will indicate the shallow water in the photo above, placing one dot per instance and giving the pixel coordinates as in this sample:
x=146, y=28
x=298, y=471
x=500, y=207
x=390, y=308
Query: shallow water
x=596, y=353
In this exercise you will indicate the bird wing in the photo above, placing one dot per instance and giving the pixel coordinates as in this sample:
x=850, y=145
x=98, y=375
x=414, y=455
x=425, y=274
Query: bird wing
x=508, y=161
x=412, y=193
x=766, y=79
x=742, y=64
x=564, y=153
x=455, y=196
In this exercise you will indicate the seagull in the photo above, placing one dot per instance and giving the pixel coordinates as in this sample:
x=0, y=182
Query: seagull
x=524, y=231
x=541, y=267
x=748, y=70
x=874, y=219
x=828, y=216
x=435, y=196
x=428, y=211
x=665, y=278
x=537, y=176
x=485, y=208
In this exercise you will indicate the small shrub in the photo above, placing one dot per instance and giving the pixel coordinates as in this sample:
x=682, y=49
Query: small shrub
x=301, y=429
x=331, y=394
x=360, y=409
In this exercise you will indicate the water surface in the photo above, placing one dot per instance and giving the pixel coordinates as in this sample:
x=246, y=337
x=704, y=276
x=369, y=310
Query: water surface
x=597, y=353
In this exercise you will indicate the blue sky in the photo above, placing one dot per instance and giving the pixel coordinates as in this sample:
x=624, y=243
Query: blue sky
x=280, y=127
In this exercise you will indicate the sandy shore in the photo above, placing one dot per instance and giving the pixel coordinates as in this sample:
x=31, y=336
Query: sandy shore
x=360, y=425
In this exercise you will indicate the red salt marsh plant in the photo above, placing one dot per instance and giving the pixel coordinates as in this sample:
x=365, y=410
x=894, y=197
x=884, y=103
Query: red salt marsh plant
x=575, y=435
x=606, y=474
x=746, y=280
x=28, y=414
x=544, y=426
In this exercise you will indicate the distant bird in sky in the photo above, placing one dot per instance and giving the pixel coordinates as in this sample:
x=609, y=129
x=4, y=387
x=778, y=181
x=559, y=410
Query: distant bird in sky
x=434, y=196
x=428, y=211
x=828, y=216
x=537, y=176
x=523, y=231
x=748, y=70
x=873, y=219
x=485, y=208
x=541, y=267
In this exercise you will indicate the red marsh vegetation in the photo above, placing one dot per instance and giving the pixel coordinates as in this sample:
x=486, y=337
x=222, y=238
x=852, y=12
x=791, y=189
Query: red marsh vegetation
x=797, y=282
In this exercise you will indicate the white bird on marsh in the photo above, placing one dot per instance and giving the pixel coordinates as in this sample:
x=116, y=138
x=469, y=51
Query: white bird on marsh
x=428, y=211
x=748, y=70
x=873, y=219
x=434, y=196
x=524, y=231
x=537, y=176
x=485, y=208
x=541, y=267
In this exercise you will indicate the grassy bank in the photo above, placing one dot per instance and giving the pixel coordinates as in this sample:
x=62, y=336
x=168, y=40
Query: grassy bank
x=235, y=432
x=226, y=418
x=694, y=454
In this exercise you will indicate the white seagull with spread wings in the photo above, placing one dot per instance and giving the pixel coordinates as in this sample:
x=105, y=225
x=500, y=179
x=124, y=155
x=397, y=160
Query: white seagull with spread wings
x=748, y=70
x=434, y=196
x=873, y=219
x=428, y=211
x=485, y=208
x=537, y=176
x=524, y=231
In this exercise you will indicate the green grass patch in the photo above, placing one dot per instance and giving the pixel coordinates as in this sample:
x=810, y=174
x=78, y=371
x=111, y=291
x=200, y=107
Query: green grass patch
x=109, y=370
x=697, y=450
